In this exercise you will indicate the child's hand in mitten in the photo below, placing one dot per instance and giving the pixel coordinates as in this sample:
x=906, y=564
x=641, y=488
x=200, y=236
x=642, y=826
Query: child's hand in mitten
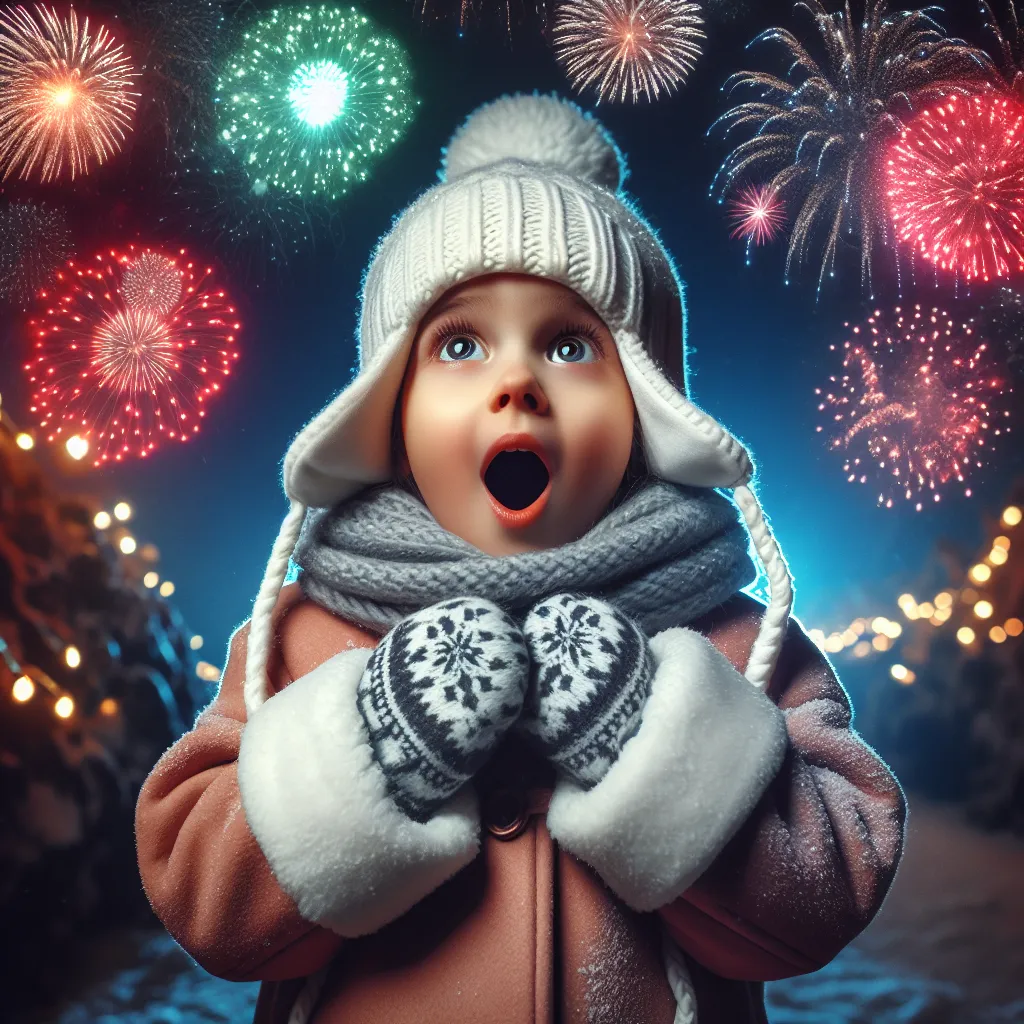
x=437, y=695
x=590, y=677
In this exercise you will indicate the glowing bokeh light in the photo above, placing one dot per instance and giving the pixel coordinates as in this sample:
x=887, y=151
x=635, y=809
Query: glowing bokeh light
x=916, y=405
x=955, y=185
x=65, y=98
x=628, y=49
x=122, y=379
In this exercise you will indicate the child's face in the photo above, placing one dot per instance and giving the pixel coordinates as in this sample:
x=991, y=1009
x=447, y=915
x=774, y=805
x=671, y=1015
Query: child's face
x=511, y=361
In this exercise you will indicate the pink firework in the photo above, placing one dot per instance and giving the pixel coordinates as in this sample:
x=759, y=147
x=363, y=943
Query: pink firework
x=917, y=404
x=757, y=214
x=956, y=185
x=126, y=376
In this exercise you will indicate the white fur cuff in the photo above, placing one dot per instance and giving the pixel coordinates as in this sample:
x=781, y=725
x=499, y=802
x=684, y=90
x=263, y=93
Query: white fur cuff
x=708, y=746
x=318, y=806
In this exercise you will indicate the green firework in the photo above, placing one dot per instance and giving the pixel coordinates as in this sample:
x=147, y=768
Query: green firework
x=313, y=98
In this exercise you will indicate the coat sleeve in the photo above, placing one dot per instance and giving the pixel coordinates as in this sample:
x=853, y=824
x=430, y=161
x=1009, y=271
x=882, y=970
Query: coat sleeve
x=757, y=824
x=809, y=868
x=202, y=869
x=266, y=841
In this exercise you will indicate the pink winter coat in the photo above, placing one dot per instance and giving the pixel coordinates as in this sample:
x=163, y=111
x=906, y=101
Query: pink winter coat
x=757, y=832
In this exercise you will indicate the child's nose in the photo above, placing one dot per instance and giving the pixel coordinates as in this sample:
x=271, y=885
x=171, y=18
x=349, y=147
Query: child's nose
x=520, y=389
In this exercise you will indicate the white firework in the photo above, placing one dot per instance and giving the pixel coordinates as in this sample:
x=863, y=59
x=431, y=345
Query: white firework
x=625, y=49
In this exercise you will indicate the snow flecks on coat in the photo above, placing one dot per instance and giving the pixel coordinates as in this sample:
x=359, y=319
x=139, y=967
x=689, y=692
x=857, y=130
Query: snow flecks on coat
x=610, y=957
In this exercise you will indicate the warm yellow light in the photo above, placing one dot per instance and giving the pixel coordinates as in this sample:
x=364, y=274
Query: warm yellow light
x=108, y=706
x=127, y=544
x=1012, y=515
x=941, y=615
x=25, y=441
x=122, y=511
x=965, y=635
x=997, y=634
x=943, y=600
x=196, y=642
x=879, y=624
x=1002, y=542
x=862, y=649
x=151, y=579
x=881, y=642
x=902, y=674
x=893, y=630
x=912, y=612
x=858, y=626
x=166, y=588
x=72, y=657
x=998, y=556
x=906, y=599
x=926, y=610
x=817, y=637
x=848, y=637
x=968, y=595
x=980, y=573
x=206, y=671
x=23, y=689
x=64, y=707
x=77, y=447
x=1013, y=627
x=149, y=552
x=984, y=609
x=101, y=520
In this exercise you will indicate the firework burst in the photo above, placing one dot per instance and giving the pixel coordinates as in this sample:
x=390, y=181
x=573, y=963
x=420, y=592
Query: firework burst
x=822, y=130
x=465, y=12
x=151, y=283
x=126, y=377
x=757, y=215
x=625, y=49
x=1009, y=39
x=314, y=97
x=1003, y=317
x=956, y=185
x=64, y=94
x=34, y=242
x=918, y=404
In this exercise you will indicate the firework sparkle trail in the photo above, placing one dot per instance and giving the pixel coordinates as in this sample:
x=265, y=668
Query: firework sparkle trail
x=918, y=404
x=35, y=240
x=65, y=95
x=757, y=215
x=128, y=379
x=821, y=131
x=956, y=185
x=625, y=49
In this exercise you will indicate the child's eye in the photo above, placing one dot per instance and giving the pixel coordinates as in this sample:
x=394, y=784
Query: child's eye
x=572, y=350
x=459, y=349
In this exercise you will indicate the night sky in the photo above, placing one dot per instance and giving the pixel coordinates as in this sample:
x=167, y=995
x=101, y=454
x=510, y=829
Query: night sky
x=758, y=348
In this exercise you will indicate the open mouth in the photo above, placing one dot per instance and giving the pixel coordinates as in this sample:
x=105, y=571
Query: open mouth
x=516, y=479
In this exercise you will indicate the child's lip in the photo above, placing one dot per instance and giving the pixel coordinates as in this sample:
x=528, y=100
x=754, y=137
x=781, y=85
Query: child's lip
x=514, y=519
x=510, y=442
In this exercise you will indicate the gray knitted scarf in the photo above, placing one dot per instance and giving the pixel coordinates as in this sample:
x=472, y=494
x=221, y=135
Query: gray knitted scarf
x=665, y=556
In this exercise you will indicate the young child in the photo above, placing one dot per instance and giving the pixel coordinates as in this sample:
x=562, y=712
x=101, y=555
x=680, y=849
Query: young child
x=515, y=749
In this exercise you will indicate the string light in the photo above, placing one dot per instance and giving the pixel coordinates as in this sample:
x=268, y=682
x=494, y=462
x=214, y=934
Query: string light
x=72, y=657
x=25, y=441
x=122, y=511
x=997, y=634
x=965, y=635
x=127, y=544
x=77, y=447
x=196, y=642
x=64, y=707
x=101, y=520
x=166, y=588
x=1012, y=515
x=980, y=573
x=984, y=609
x=23, y=689
x=1013, y=627
x=150, y=580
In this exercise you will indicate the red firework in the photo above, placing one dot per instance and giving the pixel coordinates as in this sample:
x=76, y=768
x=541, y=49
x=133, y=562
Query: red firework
x=917, y=403
x=123, y=376
x=64, y=94
x=956, y=185
x=757, y=214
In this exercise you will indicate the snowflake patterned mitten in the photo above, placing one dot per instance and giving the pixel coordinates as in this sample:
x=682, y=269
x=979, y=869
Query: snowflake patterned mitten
x=590, y=676
x=437, y=695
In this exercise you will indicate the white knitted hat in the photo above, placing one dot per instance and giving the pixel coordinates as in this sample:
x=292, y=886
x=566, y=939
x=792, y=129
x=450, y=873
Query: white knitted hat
x=529, y=184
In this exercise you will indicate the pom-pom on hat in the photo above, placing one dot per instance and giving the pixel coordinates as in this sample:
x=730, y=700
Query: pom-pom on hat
x=530, y=184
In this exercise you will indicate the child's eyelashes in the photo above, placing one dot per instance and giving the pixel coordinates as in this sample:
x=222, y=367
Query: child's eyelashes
x=456, y=341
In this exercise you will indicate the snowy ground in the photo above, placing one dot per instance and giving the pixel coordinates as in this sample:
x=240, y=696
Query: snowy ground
x=947, y=948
